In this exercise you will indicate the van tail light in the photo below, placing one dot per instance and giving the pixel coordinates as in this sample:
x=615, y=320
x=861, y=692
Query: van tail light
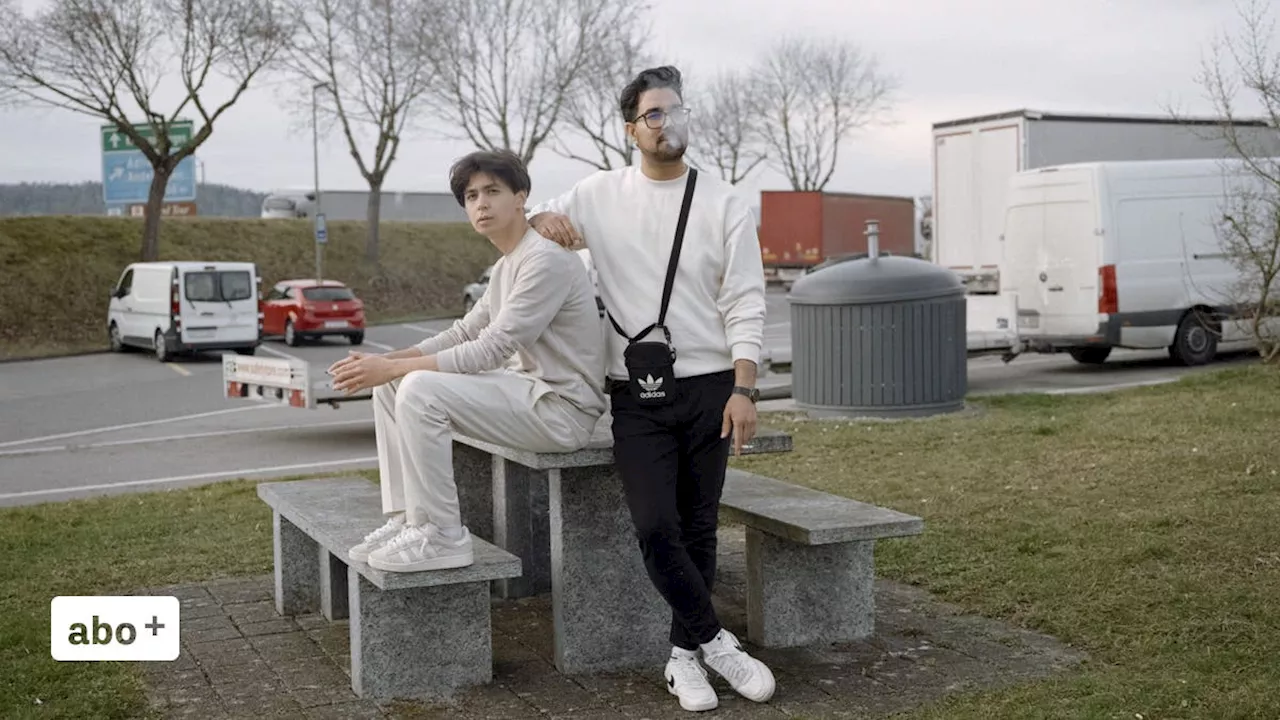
x=175, y=312
x=1108, y=297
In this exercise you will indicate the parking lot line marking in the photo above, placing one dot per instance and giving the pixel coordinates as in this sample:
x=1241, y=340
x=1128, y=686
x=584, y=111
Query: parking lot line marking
x=278, y=353
x=179, y=369
x=227, y=474
x=379, y=345
x=418, y=328
x=174, y=438
x=129, y=426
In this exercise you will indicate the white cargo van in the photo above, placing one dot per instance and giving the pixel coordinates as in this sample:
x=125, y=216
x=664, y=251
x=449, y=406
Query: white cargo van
x=1124, y=254
x=177, y=307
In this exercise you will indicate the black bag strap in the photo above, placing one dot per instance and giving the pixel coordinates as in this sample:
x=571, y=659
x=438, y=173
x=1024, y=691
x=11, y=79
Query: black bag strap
x=671, y=266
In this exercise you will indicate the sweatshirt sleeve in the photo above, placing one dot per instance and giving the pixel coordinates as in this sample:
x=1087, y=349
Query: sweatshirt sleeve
x=542, y=282
x=742, y=291
x=464, y=329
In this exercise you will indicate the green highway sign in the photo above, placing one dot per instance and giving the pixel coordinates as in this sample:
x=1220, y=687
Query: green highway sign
x=112, y=139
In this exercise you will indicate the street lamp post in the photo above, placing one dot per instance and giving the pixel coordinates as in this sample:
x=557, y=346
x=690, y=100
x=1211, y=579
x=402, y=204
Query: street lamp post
x=321, y=232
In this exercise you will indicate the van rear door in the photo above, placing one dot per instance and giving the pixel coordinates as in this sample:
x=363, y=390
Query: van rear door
x=1052, y=251
x=219, y=305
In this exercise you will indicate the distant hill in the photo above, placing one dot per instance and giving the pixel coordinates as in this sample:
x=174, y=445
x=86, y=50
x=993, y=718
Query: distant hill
x=86, y=199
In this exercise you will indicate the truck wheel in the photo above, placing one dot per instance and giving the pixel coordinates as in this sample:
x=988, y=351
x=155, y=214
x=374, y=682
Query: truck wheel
x=117, y=344
x=1196, y=340
x=162, y=352
x=1090, y=355
x=247, y=351
x=290, y=335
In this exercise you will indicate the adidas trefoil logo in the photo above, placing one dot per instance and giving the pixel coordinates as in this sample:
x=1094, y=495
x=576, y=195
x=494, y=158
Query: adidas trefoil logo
x=652, y=388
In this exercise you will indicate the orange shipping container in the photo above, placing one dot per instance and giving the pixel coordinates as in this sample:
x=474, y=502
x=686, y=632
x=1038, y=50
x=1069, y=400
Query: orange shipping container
x=800, y=229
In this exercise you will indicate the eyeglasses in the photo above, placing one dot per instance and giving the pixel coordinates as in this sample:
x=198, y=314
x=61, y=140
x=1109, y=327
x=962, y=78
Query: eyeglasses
x=658, y=119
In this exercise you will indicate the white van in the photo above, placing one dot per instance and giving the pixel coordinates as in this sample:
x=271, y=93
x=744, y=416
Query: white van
x=1124, y=254
x=176, y=307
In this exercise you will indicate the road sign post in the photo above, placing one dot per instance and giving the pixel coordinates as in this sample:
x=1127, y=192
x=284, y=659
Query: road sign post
x=127, y=174
x=322, y=237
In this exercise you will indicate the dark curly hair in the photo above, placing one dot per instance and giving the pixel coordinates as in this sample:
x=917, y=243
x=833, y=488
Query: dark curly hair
x=666, y=76
x=501, y=164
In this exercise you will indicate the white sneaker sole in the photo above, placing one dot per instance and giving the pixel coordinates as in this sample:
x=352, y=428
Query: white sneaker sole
x=447, y=562
x=711, y=704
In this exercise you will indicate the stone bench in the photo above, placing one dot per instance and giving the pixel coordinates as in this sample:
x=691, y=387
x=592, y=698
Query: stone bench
x=810, y=559
x=412, y=634
x=565, y=516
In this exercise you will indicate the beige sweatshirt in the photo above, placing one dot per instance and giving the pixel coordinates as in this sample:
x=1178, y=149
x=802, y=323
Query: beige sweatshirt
x=538, y=316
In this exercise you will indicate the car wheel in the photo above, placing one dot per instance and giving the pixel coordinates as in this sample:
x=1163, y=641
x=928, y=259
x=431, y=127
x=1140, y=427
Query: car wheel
x=1196, y=340
x=117, y=343
x=290, y=335
x=162, y=352
x=356, y=338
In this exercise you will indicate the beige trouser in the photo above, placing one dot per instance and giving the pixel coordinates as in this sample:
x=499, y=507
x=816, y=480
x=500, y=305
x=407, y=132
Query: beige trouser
x=414, y=418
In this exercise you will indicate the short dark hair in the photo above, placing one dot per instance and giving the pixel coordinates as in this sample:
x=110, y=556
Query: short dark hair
x=666, y=76
x=501, y=164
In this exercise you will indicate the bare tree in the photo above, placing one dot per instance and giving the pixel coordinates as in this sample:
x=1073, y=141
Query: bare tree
x=507, y=68
x=1250, y=233
x=591, y=112
x=372, y=61
x=106, y=58
x=727, y=126
x=816, y=94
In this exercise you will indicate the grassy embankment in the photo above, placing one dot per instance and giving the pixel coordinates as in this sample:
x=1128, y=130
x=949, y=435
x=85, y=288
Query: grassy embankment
x=1139, y=526
x=58, y=271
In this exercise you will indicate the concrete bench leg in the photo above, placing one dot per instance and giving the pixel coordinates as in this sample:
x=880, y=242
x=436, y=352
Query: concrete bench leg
x=608, y=615
x=297, y=573
x=418, y=642
x=803, y=594
x=522, y=526
x=333, y=586
x=473, y=474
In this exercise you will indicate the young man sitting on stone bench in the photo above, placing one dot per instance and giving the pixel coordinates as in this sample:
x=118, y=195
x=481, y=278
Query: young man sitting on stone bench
x=524, y=368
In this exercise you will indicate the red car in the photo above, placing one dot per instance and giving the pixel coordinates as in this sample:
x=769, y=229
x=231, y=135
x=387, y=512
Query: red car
x=300, y=309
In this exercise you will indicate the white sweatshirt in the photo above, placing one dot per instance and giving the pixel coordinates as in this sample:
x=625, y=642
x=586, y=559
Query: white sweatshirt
x=538, y=316
x=628, y=222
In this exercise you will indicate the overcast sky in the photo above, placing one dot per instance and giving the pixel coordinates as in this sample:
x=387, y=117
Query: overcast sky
x=953, y=60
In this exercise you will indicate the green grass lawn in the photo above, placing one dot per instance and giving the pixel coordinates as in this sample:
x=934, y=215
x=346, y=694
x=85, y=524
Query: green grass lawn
x=1139, y=526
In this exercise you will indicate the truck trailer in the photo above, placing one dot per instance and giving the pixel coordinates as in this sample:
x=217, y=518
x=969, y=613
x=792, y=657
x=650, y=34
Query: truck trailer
x=354, y=205
x=798, y=230
x=975, y=159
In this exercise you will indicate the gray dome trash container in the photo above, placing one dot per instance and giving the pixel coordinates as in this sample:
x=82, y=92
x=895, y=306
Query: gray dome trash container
x=878, y=337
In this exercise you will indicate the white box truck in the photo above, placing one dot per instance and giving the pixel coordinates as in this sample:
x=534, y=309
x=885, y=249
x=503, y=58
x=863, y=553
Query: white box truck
x=1128, y=255
x=975, y=158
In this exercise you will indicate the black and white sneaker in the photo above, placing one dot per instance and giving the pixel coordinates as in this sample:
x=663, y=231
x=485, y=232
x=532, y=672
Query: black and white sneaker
x=747, y=675
x=687, y=680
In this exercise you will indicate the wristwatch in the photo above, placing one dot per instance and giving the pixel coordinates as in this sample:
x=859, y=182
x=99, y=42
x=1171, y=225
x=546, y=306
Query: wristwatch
x=752, y=394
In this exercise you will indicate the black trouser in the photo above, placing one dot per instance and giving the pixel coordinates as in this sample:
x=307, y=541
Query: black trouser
x=672, y=461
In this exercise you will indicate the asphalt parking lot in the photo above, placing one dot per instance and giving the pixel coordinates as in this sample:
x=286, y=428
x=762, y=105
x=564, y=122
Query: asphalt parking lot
x=108, y=423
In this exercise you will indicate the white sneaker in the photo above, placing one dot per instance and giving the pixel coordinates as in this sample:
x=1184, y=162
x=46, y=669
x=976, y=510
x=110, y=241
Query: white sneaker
x=688, y=681
x=747, y=675
x=422, y=548
x=375, y=539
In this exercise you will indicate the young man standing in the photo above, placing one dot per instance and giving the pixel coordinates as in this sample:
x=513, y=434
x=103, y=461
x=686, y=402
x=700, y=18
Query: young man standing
x=672, y=421
x=524, y=367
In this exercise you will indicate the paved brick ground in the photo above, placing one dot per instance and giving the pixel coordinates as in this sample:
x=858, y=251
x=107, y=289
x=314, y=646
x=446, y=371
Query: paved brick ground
x=241, y=660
